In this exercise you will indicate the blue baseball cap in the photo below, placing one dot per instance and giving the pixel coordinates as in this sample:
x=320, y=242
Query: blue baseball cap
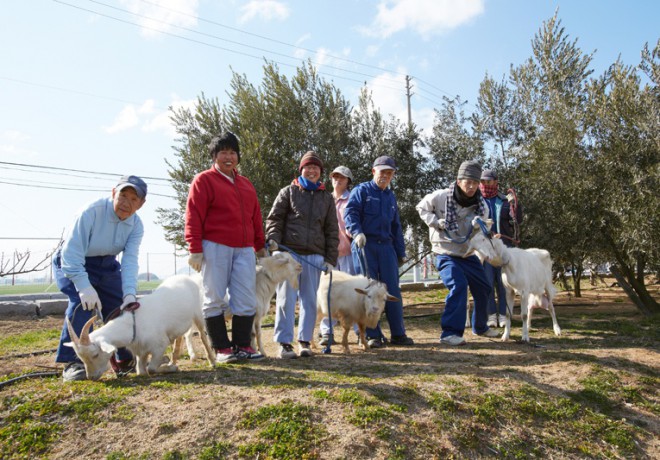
x=135, y=182
x=384, y=162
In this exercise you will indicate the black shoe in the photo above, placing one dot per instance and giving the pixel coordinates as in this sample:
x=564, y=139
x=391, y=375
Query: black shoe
x=402, y=340
x=122, y=367
x=74, y=371
x=374, y=343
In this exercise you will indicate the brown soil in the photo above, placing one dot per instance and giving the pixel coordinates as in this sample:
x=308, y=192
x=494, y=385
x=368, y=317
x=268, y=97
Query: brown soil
x=214, y=400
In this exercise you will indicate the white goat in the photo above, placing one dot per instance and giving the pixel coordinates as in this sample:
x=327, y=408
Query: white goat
x=354, y=299
x=527, y=272
x=163, y=316
x=271, y=271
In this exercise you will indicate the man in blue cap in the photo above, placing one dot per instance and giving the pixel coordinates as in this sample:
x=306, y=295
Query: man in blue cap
x=87, y=271
x=372, y=219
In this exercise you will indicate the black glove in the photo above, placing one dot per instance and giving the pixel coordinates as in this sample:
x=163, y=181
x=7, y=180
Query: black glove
x=401, y=261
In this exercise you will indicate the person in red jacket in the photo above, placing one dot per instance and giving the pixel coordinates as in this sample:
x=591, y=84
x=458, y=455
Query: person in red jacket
x=223, y=230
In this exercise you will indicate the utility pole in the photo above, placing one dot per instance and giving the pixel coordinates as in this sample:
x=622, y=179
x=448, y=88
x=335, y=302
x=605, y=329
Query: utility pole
x=408, y=95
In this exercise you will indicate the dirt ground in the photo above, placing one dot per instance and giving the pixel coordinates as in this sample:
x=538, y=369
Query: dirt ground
x=225, y=396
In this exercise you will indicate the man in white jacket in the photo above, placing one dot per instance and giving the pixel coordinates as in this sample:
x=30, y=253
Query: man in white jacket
x=449, y=214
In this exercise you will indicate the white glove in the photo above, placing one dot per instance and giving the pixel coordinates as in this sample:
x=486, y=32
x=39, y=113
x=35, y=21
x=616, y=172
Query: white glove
x=360, y=240
x=328, y=267
x=128, y=299
x=89, y=299
x=195, y=260
x=439, y=225
x=272, y=245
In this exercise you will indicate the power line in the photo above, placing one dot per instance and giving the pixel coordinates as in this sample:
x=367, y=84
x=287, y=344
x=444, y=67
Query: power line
x=79, y=170
x=227, y=40
x=216, y=46
x=74, y=189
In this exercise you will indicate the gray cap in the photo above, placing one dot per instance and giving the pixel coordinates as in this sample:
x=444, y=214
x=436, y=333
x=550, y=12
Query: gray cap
x=489, y=174
x=344, y=171
x=469, y=170
x=384, y=162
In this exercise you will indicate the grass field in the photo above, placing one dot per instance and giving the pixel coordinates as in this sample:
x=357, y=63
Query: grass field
x=592, y=392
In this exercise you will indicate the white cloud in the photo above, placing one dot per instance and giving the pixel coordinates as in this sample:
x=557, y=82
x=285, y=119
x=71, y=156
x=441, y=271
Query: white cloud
x=161, y=120
x=11, y=145
x=148, y=117
x=425, y=17
x=386, y=97
x=165, y=17
x=267, y=10
x=126, y=119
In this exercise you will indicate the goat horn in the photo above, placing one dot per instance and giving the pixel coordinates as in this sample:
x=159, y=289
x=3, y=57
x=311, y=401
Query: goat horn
x=84, y=334
x=72, y=333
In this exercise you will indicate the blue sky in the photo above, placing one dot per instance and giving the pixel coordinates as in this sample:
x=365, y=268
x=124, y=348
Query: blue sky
x=85, y=85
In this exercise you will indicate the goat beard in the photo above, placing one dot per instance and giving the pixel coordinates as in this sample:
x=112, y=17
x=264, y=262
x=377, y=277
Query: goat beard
x=373, y=319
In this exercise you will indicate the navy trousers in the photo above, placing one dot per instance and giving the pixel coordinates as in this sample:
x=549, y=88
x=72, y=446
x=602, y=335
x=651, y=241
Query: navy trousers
x=105, y=275
x=458, y=274
x=494, y=277
x=382, y=265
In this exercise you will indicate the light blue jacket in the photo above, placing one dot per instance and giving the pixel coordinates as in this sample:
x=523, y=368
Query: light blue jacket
x=97, y=231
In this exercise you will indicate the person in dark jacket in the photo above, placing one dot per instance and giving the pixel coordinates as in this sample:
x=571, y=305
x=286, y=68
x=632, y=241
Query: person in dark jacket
x=304, y=219
x=223, y=230
x=372, y=219
x=506, y=220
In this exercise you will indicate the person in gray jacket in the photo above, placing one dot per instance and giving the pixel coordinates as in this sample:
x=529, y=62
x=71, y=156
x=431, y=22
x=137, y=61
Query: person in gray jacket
x=304, y=219
x=449, y=214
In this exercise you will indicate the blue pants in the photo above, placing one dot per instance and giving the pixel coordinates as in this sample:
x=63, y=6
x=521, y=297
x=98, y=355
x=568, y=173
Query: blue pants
x=382, y=265
x=458, y=274
x=285, y=313
x=105, y=275
x=494, y=277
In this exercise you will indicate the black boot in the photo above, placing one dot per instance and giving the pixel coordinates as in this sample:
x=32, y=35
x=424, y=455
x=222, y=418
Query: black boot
x=217, y=331
x=241, y=329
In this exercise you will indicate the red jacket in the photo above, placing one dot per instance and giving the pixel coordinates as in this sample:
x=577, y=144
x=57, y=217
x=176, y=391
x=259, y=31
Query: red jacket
x=222, y=212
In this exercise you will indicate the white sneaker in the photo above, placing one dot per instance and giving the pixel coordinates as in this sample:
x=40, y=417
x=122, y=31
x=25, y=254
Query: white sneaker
x=304, y=350
x=490, y=333
x=492, y=320
x=286, y=351
x=502, y=320
x=453, y=340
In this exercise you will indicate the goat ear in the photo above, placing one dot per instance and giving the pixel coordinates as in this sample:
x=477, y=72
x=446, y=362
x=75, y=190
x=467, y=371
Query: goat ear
x=391, y=298
x=107, y=347
x=360, y=291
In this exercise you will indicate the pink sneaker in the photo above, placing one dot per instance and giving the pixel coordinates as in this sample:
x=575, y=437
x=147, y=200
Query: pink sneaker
x=225, y=356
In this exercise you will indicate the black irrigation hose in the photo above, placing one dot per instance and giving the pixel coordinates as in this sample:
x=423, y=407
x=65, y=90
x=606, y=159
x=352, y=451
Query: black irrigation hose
x=31, y=353
x=29, y=376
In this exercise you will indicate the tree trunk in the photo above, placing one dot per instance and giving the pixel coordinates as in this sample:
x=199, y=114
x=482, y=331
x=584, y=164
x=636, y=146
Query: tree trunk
x=641, y=266
x=636, y=292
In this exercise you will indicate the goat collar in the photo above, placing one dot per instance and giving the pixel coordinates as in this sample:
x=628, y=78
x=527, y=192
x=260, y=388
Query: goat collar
x=131, y=307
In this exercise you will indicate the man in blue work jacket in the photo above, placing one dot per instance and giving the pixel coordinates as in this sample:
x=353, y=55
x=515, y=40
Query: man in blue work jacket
x=372, y=219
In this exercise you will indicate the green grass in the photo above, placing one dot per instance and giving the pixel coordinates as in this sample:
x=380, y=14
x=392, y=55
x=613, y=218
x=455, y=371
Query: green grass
x=20, y=289
x=285, y=431
x=29, y=341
